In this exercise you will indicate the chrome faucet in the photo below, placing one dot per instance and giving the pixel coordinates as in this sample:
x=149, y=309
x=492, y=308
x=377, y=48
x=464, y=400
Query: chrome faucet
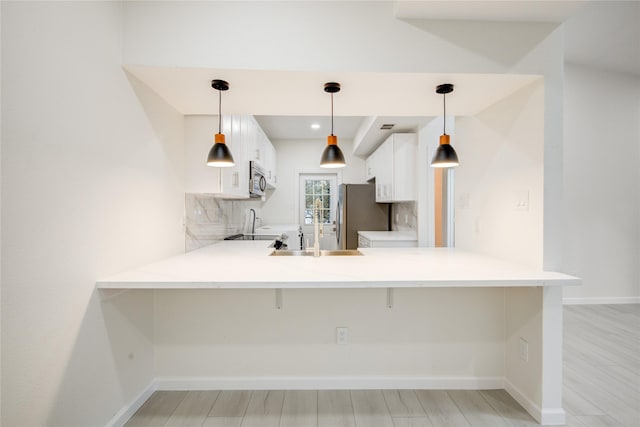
x=318, y=231
x=253, y=224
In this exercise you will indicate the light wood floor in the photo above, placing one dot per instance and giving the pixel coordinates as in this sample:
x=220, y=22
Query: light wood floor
x=601, y=388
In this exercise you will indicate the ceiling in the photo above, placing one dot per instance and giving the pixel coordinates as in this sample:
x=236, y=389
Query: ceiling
x=601, y=34
x=496, y=11
x=605, y=35
x=405, y=99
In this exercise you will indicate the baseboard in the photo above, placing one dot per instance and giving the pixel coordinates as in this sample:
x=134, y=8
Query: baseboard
x=328, y=383
x=600, y=300
x=547, y=417
x=124, y=414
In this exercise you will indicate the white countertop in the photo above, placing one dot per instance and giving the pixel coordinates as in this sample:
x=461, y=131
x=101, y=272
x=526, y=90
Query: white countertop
x=389, y=235
x=247, y=265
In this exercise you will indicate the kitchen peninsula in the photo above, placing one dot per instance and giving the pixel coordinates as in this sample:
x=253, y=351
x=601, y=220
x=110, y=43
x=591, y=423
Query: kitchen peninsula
x=496, y=324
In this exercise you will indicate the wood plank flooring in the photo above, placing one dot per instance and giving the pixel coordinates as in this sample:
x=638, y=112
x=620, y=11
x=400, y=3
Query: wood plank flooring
x=601, y=388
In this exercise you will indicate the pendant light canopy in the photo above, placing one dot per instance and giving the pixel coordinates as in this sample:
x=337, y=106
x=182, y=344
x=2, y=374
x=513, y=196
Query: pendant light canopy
x=332, y=156
x=220, y=155
x=446, y=156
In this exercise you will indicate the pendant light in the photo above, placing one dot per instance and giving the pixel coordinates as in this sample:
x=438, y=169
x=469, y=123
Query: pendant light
x=220, y=155
x=332, y=156
x=445, y=156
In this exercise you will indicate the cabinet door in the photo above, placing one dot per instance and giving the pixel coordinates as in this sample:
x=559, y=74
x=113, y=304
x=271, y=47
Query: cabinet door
x=370, y=167
x=384, y=171
x=270, y=165
x=234, y=181
x=251, y=141
x=405, y=150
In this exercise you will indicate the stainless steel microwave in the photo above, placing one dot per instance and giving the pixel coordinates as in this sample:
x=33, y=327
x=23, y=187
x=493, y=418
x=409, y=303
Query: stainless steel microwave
x=257, y=181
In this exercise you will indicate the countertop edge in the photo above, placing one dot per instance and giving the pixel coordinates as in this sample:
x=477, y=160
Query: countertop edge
x=484, y=283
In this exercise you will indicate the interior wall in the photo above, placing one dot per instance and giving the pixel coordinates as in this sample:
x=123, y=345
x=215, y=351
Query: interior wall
x=434, y=333
x=499, y=183
x=91, y=185
x=294, y=156
x=602, y=184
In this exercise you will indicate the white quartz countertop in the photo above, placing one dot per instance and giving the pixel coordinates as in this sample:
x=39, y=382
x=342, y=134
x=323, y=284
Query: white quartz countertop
x=247, y=265
x=389, y=235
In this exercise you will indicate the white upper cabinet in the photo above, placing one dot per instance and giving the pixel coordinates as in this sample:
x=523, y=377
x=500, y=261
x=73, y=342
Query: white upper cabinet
x=394, y=166
x=233, y=182
x=262, y=151
x=270, y=164
x=370, y=166
x=245, y=139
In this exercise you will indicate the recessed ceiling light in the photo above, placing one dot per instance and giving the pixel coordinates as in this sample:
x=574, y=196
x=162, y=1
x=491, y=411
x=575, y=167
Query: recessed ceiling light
x=315, y=126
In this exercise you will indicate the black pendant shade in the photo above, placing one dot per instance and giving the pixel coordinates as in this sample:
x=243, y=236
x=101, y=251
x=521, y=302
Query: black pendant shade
x=220, y=155
x=446, y=156
x=332, y=156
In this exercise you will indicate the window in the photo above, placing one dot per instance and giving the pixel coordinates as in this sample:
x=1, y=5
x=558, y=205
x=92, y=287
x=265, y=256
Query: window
x=317, y=191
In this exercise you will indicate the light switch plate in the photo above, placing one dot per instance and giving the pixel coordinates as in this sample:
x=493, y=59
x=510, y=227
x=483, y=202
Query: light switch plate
x=523, y=349
x=342, y=335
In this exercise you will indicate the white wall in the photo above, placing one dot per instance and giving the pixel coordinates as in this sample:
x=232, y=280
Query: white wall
x=241, y=335
x=602, y=184
x=501, y=167
x=91, y=185
x=304, y=155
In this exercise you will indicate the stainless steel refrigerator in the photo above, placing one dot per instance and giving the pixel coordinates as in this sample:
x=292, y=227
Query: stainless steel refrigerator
x=357, y=210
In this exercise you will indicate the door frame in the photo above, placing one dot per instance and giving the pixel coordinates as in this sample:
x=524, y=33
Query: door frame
x=313, y=171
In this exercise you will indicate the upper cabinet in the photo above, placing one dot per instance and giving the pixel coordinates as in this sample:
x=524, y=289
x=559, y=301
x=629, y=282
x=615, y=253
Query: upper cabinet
x=247, y=143
x=394, y=167
x=270, y=163
x=370, y=166
x=263, y=151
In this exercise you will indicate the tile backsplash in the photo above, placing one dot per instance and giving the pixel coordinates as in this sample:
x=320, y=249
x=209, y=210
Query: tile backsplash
x=209, y=219
x=404, y=216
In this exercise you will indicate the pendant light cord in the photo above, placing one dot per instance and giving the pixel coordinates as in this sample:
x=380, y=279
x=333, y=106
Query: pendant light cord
x=444, y=119
x=219, y=111
x=332, y=114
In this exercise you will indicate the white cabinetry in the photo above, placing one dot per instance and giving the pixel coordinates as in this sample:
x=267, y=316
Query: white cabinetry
x=394, y=166
x=370, y=166
x=261, y=150
x=247, y=142
x=270, y=166
x=233, y=182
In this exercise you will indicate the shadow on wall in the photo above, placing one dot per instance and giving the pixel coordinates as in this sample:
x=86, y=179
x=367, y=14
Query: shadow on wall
x=499, y=188
x=505, y=43
x=115, y=353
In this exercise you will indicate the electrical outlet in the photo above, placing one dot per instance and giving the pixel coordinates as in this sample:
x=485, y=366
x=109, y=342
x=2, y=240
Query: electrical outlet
x=342, y=335
x=523, y=349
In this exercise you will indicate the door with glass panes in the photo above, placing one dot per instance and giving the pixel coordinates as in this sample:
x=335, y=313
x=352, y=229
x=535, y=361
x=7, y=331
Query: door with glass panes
x=318, y=192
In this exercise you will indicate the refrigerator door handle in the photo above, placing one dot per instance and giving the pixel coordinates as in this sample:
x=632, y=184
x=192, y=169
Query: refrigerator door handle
x=337, y=223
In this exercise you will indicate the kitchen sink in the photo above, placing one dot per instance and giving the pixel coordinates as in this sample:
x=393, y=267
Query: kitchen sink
x=337, y=252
